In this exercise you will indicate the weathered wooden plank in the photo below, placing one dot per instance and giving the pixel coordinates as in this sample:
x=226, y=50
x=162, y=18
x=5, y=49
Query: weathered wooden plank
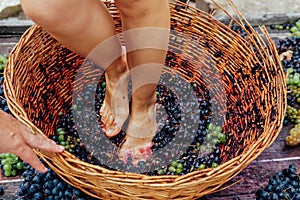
x=253, y=177
x=5, y=48
x=202, y=5
x=10, y=28
x=278, y=150
x=10, y=190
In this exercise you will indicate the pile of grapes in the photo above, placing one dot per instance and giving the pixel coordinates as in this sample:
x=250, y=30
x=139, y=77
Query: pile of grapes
x=47, y=186
x=293, y=27
x=284, y=185
x=289, y=49
x=3, y=104
x=293, y=111
x=11, y=164
x=203, y=150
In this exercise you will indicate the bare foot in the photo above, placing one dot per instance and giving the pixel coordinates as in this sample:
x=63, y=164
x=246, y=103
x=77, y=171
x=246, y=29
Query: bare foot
x=115, y=108
x=140, y=132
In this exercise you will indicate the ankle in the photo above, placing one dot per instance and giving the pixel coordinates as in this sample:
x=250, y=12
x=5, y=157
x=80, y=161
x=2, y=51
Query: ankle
x=115, y=71
x=143, y=104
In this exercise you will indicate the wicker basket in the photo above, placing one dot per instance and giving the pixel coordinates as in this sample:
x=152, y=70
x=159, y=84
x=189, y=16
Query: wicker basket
x=253, y=79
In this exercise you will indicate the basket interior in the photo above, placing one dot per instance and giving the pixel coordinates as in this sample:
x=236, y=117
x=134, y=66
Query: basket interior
x=207, y=60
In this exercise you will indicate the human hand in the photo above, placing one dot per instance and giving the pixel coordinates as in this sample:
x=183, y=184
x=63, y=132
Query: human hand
x=17, y=138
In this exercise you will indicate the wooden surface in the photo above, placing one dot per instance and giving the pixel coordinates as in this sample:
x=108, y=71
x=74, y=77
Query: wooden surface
x=253, y=177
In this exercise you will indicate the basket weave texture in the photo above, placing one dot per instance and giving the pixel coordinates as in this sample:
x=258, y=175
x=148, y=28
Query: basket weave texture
x=253, y=79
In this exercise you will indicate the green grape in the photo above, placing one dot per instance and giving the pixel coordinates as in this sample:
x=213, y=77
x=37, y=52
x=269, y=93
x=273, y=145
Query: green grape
x=6, y=161
x=297, y=34
x=74, y=107
x=174, y=163
x=179, y=166
x=294, y=29
x=19, y=165
x=61, y=138
x=178, y=171
x=297, y=24
x=161, y=171
x=215, y=141
x=7, y=172
x=14, y=172
x=211, y=127
x=202, y=166
x=14, y=160
x=222, y=138
x=7, y=167
x=172, y=169
x=290, y=70
x=59, y=130
x=218, y=129
x=215, y=133
x=214, y=165
x=278, y=27
x=12, y=155
x=208, y=137
x=293, y=139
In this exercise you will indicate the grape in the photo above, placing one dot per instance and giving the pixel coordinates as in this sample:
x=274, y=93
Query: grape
x=14, y=172
x=37, y=185
x=19, y=165
x=11, y=164
x=293, y=139
x=3, y=60
x=284, y=185
x=7, y=167
x=7, y=172
x=1, y=191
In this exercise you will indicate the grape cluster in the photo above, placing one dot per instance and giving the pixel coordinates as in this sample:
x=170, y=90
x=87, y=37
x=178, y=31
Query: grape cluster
x=285, y=26
x=284, y=185
x=11, y=164
x=293, y=113
x=293, y=27
x=290, y=44
x=3, y=60
x=3, y=103
x=292, y=67
x=47, y=186
x=66, y=138
x=293, y=139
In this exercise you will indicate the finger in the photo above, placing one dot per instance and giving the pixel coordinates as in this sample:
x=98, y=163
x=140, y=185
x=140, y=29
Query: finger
x=40, y=142
x=29, y=156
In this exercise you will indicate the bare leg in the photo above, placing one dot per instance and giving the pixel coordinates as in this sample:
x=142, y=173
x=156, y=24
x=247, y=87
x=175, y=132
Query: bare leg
x=144, y=64
x=81, y=26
